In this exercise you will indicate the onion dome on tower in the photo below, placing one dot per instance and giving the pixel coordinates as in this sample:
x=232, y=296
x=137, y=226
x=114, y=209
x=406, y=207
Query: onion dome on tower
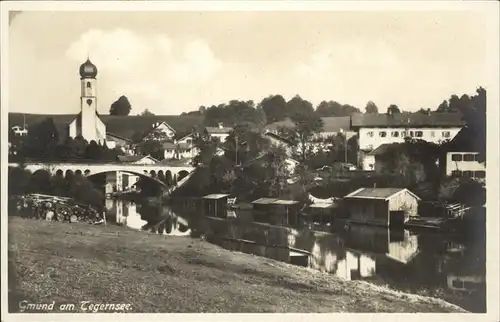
x=88, y=70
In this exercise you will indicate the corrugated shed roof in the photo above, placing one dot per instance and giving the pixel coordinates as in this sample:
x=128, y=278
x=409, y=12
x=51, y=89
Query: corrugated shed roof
x=376, y=193
x=407, y=119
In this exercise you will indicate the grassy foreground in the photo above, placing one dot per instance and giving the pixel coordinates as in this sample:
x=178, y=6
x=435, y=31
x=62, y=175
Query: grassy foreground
x=69, y=263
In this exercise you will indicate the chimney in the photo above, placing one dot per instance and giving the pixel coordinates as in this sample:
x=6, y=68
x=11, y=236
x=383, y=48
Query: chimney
x=221, y=125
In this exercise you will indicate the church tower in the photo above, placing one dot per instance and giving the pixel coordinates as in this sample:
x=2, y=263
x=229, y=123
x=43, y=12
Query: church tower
x=87, y=123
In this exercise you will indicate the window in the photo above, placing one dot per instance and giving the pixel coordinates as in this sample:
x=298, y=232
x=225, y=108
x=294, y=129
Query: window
x=395, y=134
x=382, y=134
x=480, y=174
x=370, y=134
x=412, y=134
x=419, y=134
x=89, y=85
x=469, y=157
x=467, y=174
x=456, y=157
x=446, y=134
x=433, y=134
x=476, y=157
x=456, y=173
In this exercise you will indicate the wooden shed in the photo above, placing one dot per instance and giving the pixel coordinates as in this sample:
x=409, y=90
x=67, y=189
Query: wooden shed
x=215, y=205
x=322, y=214
x=388, y=207
x=276, y=211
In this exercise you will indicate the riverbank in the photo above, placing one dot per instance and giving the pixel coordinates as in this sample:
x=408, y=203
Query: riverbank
x=68, y=263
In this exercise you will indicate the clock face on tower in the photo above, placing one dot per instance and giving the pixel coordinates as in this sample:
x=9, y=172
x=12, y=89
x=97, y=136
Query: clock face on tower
x=89, y=101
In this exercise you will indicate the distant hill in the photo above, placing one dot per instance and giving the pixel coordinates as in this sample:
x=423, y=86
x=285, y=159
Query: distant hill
x=124, y=126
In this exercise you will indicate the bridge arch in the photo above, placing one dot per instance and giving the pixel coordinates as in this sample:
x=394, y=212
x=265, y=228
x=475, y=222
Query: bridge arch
x=136, y=173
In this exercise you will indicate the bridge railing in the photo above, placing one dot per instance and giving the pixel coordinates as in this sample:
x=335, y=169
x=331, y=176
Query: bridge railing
x=103, y=163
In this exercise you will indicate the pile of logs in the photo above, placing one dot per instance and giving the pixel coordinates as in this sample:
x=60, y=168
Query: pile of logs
x=54, y=208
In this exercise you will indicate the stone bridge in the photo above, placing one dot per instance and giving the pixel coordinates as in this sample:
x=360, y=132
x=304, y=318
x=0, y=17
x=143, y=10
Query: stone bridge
x=116, y=171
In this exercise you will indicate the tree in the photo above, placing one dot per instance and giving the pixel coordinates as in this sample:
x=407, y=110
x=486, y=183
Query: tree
x=333, y=108
x=298, y=106
x=244, y=142
x=150, y=147
x=93, y=151
x=425, y=111
x=146, y=112
x=42, y=140
x=19, y=181
x=393, y=109
x=120, y=107
x=371, y=108
x=307, y=125
x=443, y=107
x=274, y=107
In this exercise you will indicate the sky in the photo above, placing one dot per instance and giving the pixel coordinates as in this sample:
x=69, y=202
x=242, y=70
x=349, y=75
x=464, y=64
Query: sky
x=174, y=62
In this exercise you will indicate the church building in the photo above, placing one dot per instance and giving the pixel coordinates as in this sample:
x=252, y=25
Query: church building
x=87, y=123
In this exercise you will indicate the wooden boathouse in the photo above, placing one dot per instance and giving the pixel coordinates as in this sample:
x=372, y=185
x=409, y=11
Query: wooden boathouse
x=276, y=211
x=215, y=205
x=388, y=207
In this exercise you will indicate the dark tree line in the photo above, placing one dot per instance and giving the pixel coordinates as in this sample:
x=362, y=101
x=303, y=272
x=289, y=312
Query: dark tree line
x=22, y=181
x=43, y=143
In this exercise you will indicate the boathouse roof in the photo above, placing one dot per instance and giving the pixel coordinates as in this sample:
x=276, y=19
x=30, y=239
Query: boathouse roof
x=274, y=201
x=378, y=193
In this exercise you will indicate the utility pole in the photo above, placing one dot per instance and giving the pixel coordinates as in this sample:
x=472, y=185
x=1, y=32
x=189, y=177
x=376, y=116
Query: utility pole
x=345, y=145
x=236, y=142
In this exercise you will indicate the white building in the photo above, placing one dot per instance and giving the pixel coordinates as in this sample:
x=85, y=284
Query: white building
x=465, y=164
x=173, y=150
x=87, y=123
x=220, y=132
x=19, y=130
x=375, y=130
x=160, y=131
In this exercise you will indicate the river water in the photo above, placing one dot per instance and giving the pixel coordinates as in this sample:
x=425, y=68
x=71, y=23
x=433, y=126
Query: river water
x=424, y=263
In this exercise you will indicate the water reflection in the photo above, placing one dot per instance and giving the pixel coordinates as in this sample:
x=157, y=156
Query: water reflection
x=152, y=218
x=442, y=265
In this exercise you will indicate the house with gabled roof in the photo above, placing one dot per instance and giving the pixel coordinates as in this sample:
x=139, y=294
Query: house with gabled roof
x=388, y=207
x=462, y=158
x=160, y=131
x=219, y=132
